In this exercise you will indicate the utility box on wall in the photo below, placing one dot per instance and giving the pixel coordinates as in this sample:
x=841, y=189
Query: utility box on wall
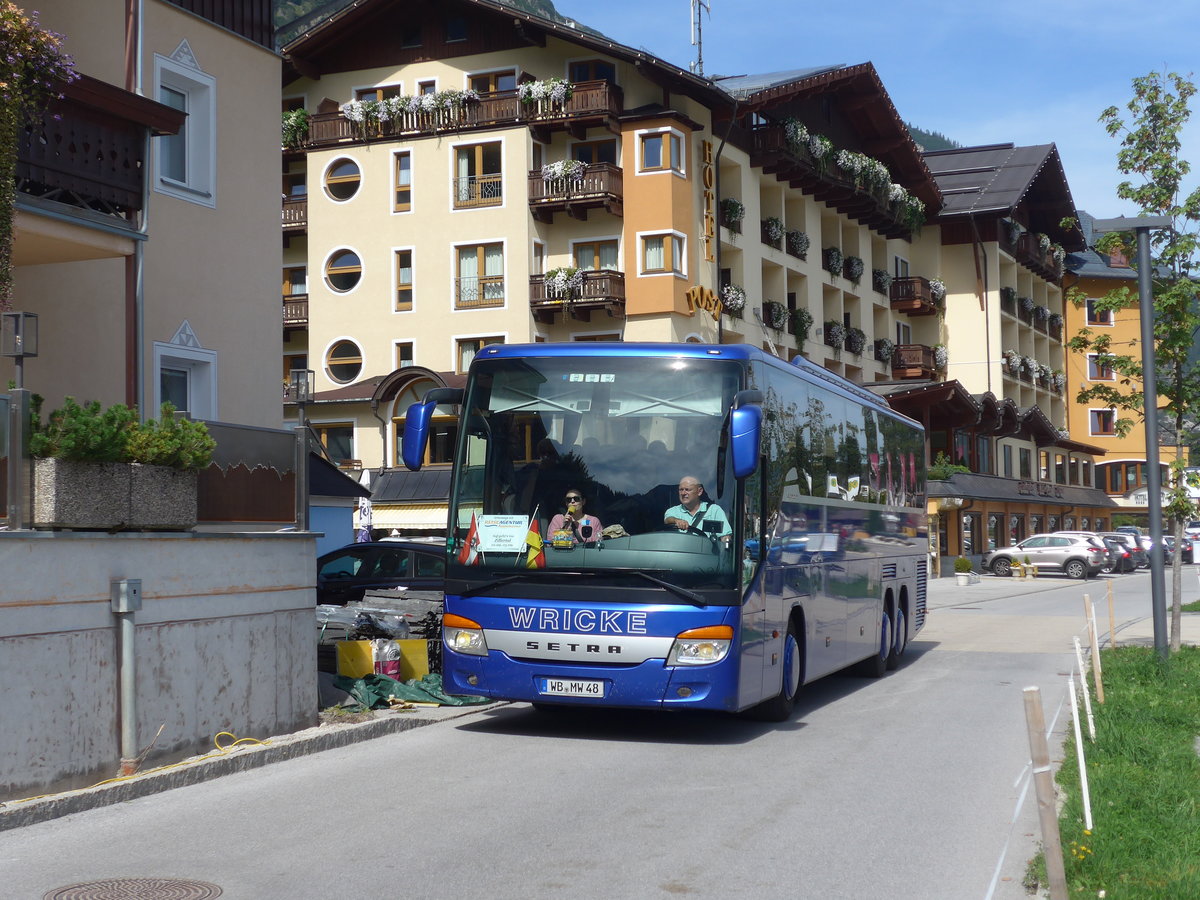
x=126, y=595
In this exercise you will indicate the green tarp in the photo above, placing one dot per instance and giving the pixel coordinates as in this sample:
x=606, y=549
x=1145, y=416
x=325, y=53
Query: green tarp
x=372, y=691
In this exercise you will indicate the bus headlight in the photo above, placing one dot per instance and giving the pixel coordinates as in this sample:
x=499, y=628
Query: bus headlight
x=701, y=646
x=463, y=636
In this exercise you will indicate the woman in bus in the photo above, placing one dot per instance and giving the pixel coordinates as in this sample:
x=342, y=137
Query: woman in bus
x=566, y=529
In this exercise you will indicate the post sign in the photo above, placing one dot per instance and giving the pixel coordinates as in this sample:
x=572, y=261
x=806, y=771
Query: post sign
x=700, y=297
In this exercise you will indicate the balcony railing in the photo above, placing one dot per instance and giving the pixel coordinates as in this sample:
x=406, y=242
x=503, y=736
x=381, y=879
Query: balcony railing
x=913, y=361
x=1029, y=253
x=472, y=191
x=600, y=185
x=295, y=311
x=827, y=183
x=295, y=214
x=603, y=289
x=912, y=294
x=478, y=293
x=592, y=102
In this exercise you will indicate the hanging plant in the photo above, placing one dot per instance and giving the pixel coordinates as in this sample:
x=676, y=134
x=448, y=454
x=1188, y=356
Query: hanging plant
x=853, y=269
x=798, y=244
x=563, y=282
x=937, y=290
x=884, y=350
x=1027, y=304
x=835, y=335
x=1044, y=243
x=802, y=322
x=1056, y=320
x=1030, y=364
x=833, y=260
x=1012, y=359
x=1012, y=231
x=732, y=211
x=33, y=69
x=1041, y=313
x=941, y=357
x=795, y=134
x=776, y=314
x=733, y=299
x=856, y=340
x=772, y=227
x=881, y=280
x=1058, y=380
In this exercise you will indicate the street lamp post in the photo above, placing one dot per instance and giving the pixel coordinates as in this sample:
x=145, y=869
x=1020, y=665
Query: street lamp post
x=1141, y=226
x=300, y=386
x=18, y=340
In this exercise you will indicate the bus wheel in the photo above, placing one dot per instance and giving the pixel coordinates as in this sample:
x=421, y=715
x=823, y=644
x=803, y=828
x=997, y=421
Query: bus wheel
x=899, y=642
x=779, y=708
x=876, y=665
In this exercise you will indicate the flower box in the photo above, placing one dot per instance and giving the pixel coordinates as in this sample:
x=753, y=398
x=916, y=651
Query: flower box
x=108, y=496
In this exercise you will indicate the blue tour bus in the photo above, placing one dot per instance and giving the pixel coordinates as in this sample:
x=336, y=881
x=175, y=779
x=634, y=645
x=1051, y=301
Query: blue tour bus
x=807, y=554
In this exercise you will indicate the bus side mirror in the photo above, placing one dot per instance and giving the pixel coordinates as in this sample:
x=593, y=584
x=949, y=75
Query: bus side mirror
x=416, y=435
x=745, y=439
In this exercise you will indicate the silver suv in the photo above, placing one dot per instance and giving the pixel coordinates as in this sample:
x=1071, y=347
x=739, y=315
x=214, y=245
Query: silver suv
x=1077, y=556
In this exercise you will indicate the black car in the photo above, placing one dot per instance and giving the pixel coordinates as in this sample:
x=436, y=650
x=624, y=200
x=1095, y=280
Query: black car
x=345, y=575
x=1122, y=559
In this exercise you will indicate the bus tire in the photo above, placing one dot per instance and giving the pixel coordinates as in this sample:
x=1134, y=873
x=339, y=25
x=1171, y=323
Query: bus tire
x=779, y=708
x=899, y=642
x=875, y=665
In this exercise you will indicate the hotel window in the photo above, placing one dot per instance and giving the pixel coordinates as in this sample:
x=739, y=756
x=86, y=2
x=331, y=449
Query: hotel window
x=342, y=179
x=1060, y=468
x=662, y=253
x=443, y=436
x=591, y=152
x=1043, y=465
x=468, y=347
x=186, y=161
x=293, y=361
x=344, y=362
x=1103, y=421
x=1025, y=463
x=901, y=267
x=903, y=334
x=404, y=280
x=295, y=184
x=403, y=175
x=1098, y=371
x=456, y=29
x=661, y=151
x=479, y=279
x=1008, y=461
x=592, y=70
x=489, y=82
x=1096, y=316
x=596, y=255
x=971, y=533
x=343, y=271
x=1073, y=472
x=539, y=259
x=478, y=176
x=381, y=92
x=404, y=354
x=295, y=281
x=424, y=88
x=337, y=438
x=1085, y=472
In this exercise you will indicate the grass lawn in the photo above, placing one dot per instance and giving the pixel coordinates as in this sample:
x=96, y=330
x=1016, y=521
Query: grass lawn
x=1144, y=779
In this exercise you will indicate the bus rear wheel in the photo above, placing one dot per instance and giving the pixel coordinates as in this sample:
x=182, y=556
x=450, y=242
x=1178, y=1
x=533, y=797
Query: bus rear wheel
x=876, y=665
x=899, y=642
x=779, y=708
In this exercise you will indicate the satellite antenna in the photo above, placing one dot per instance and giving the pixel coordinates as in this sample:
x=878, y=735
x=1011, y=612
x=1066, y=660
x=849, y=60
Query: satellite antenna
x=697, y=67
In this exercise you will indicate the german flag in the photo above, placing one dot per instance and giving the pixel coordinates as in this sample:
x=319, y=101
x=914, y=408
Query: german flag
x=536, y=558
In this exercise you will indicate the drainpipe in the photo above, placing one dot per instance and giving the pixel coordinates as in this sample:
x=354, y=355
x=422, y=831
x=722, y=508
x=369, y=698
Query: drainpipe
x=717, y=210
x=383, y=431
x=125, y=596
x=983, y=304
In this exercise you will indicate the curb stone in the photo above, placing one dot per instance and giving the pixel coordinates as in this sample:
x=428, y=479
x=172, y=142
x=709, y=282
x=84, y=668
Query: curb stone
x=17, y=814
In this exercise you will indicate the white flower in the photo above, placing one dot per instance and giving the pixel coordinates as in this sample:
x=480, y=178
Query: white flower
x=353, y=111
x=733, y=298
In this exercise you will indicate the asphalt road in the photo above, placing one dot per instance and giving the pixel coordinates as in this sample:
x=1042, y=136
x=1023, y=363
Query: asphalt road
x=912, y=787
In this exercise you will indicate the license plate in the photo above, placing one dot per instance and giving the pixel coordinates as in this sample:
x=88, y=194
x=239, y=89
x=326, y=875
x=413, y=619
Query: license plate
x=575, y=687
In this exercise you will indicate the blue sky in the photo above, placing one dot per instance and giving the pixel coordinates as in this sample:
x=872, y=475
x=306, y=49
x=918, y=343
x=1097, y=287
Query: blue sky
x=1025, y=71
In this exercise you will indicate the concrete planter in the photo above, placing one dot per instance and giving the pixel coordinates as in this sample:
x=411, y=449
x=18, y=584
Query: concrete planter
x=109, y=496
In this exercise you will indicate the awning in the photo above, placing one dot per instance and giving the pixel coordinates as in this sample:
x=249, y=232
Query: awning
x=431, y=517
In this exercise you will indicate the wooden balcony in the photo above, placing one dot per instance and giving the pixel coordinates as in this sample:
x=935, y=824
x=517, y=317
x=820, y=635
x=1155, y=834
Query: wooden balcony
x=602, y=290
x=912, y=294
x=827, y=183
x=295, y=215
x=474, y=191
x=295, y=311
x=601, y=186
x=1028, y=252
x=913, y=361
x=593, y=103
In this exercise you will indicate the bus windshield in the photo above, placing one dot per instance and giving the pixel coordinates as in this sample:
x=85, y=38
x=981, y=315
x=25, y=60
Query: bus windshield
x=575, y=464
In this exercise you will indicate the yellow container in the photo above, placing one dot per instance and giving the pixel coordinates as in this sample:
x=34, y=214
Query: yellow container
x=414, y=658
x=355, y=658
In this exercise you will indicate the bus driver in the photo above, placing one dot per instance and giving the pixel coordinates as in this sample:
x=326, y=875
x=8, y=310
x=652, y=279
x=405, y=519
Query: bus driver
x=692, y=512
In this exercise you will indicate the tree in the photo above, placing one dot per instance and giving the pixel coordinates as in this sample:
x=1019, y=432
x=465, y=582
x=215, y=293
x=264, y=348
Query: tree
x=1151, y=151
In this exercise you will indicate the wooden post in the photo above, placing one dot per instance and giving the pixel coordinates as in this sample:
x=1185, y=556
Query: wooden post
x=1043, y=782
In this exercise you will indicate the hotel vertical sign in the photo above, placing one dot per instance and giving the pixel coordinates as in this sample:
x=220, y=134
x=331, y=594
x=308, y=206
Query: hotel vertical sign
x=708, y=180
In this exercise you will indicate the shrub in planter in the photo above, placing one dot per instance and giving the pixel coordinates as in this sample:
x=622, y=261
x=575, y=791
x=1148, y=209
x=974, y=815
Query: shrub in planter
x=962, y=565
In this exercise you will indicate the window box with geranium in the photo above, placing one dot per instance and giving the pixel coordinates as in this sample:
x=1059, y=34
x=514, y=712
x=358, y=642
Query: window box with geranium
x=1008, y=300
x=1056, y=320
x=1058, y=381
x=884, y=350
x=835, y=335
x=552, y=91
x=881, y=280
x=1041, y=313
x=1012, y=359
x=732, y=213
x=797, y=243
x=563, y=176
x=937, y=290
x=1028, y=367
x=772, y=231
x=853, y=269
x=733, y=300
x=856, y=340
x=802, y=322
x=775, y=314
x=1025, y=305
x=564, y=282
x=832, y=260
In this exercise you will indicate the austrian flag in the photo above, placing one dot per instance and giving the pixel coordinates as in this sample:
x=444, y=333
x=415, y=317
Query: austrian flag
x=469, y=553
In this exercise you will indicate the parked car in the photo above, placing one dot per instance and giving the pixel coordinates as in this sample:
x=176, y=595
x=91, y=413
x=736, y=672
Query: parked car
x=1096, y=539
x=345, y=575
x=1140, y=559
x=1075, y=556
x=1122, y=556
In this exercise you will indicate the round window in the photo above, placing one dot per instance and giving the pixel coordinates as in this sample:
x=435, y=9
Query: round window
x=343, y=270
x=344, y=361
x=342, y=179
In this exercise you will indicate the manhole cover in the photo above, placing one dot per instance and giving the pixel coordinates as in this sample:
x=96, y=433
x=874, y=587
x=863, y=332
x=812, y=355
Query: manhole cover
x=136, y=889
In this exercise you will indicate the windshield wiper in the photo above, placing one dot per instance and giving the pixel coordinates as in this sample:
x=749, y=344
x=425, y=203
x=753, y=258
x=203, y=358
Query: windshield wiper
x=690, y=596
x=509, y=579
